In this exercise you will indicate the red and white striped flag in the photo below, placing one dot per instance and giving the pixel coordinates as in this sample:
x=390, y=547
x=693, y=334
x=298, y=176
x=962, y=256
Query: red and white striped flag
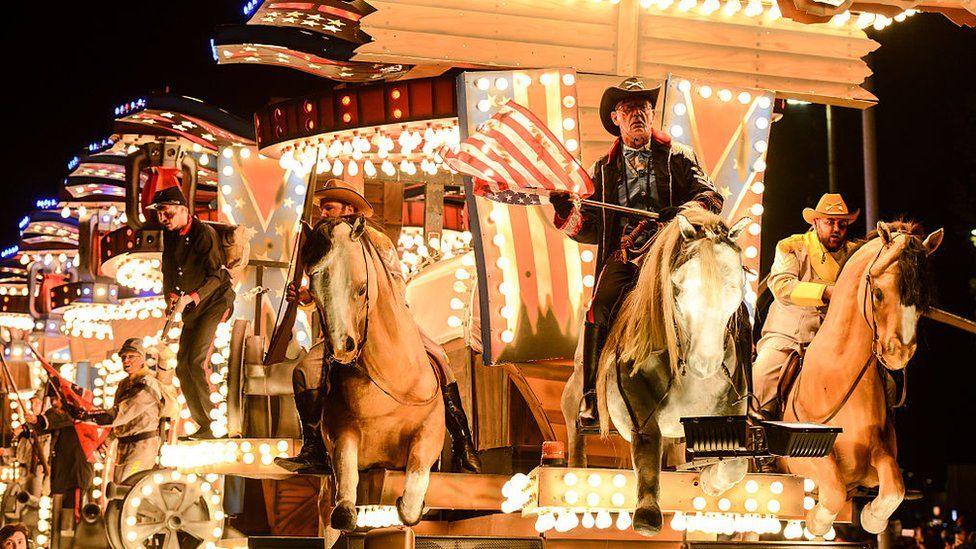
x=514, y=154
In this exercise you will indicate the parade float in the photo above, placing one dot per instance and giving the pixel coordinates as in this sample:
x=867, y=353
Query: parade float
x=493, y=281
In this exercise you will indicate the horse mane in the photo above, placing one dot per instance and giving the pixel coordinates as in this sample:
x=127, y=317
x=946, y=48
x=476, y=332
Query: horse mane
x=915, y=284
x=646, y=324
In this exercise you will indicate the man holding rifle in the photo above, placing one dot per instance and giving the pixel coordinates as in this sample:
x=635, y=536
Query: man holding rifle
x=338, y=199
x=198, y=289
x=644, y=170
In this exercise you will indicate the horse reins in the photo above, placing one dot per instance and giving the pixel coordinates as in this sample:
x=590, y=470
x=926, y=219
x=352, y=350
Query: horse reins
x=875, y=345
x=361, y=345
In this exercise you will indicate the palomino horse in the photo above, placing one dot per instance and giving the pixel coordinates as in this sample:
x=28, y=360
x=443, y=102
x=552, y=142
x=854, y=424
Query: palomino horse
x=384, y=407
x=870, y=325
x=670, y=354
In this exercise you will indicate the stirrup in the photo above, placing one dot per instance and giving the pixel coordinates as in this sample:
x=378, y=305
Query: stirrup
x=305, y=465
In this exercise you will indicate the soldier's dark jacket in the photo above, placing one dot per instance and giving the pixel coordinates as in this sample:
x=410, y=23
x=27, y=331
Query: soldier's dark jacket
x=193, y=264
x=677, y=175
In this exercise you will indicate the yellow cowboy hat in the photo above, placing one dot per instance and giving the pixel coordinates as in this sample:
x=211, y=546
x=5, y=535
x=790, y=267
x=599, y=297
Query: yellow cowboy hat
x=830, y=206
x=337, y=190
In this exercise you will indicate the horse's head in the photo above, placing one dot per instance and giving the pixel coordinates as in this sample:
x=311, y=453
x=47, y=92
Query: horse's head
x=336, y=262
x=899, y=289
x=708, y=284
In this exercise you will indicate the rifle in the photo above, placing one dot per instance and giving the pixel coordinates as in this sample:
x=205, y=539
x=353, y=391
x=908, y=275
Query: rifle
x=35, y=441
x=282, y=333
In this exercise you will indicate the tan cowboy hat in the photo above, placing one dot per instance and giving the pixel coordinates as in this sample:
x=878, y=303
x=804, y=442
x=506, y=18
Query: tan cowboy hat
x=632, y=87
x=831, y=206
x=337, y=190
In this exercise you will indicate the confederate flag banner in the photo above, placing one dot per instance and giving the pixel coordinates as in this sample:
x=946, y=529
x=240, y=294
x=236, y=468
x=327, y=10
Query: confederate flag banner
x=90, y=435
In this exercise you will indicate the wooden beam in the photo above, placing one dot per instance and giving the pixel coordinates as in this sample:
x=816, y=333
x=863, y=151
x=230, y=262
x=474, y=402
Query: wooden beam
x=751, y=61
x=739, y=33
x=501, y=26
x=555, y=10
x=627, y=36
x=532, y=400
x=437, y=48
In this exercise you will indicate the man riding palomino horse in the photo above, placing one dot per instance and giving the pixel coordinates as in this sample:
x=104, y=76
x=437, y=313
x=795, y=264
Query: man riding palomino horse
x=339, y=199
x=644, y=170
x=801, y=279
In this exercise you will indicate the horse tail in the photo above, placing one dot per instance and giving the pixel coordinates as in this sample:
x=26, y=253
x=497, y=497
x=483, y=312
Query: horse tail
x=607, y=358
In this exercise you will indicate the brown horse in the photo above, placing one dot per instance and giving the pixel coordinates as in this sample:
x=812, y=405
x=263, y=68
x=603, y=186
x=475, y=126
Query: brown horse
x=384, y=407
x=870, y=325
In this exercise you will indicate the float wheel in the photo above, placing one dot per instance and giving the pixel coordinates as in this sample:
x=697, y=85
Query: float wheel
x=163, y=508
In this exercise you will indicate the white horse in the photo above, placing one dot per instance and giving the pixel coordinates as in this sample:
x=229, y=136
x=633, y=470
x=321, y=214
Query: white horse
x=671, y=354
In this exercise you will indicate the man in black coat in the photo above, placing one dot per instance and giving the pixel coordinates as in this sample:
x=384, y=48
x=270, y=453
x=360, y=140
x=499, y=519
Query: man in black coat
x=644, y=170
x=71, y=472
x=196, y=286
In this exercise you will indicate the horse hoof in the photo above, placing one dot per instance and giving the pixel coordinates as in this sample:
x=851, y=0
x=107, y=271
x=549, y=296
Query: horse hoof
x=814, y=525
x=648, y=520
x=408, y=521
x=708, y=481
x=344, y=517
x=870, y=523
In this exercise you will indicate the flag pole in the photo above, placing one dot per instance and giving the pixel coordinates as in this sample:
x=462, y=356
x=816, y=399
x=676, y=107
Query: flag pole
x=618, y=208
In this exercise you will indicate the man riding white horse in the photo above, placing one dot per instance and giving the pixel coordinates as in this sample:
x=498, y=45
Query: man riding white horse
x=339, y=199
x=644, y=170
x=801, y=280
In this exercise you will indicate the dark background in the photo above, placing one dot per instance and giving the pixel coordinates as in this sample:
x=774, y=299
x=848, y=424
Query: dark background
x=86, y=57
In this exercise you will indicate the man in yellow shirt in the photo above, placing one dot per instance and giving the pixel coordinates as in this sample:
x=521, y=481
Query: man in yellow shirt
x=801, y=279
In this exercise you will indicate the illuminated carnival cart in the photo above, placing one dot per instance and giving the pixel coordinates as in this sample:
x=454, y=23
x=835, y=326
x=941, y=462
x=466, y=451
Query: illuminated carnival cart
x=493, y=282
x=509, y=309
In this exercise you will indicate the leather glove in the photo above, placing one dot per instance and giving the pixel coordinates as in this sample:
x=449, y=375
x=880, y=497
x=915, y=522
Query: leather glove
x=667, y=214
x=562, y=202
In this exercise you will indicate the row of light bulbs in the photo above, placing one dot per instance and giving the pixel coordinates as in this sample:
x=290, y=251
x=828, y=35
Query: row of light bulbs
x=755, y=9
x=203, y=455
x=89, y=320
x=140, y=274
x=351, y=152
x=416, y=253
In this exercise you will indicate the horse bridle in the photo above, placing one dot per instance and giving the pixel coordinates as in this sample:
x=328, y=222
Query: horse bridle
x=361, y=344
x=876, y=355
x=682, y=371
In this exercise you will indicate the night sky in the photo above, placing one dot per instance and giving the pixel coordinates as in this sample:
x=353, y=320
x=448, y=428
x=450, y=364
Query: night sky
x=64, y=79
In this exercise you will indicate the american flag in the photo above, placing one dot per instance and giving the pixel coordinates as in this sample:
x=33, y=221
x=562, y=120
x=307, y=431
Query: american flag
x=514, y=158
x=535, y=280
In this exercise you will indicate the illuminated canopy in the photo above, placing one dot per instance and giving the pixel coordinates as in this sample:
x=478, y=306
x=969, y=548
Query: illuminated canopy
x=318, y=37
x=801, y=49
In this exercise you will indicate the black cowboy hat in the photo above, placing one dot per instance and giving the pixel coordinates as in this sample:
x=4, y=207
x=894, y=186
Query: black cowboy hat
x=169, y=195
x=631, y=88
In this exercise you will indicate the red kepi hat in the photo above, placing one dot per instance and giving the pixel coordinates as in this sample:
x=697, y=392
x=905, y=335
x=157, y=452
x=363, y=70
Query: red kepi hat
x=164, y=185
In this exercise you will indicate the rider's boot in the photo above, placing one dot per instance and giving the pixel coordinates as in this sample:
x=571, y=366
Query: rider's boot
x=456, y=421
x=767, y=412
x=313, y=459
x=593, y=338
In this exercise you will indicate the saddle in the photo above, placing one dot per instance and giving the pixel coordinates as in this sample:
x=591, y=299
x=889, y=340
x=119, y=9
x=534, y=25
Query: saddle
x=791, y=371
x=894, y=390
